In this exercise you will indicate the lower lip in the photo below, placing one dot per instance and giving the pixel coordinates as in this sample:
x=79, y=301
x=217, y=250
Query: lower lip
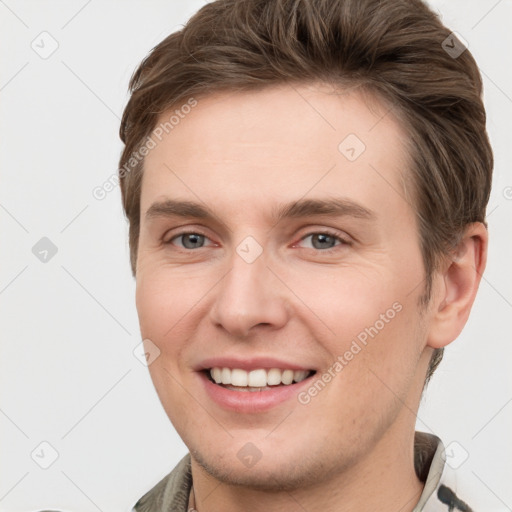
x=251, y=401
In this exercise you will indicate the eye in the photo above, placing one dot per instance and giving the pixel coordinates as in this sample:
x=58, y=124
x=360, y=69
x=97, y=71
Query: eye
x=322, y=241
x=189, y=240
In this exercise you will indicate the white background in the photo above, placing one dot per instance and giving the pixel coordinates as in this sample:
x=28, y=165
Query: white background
x=68, y=327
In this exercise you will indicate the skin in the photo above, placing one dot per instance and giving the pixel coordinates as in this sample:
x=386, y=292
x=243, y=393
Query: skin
x=241, y=155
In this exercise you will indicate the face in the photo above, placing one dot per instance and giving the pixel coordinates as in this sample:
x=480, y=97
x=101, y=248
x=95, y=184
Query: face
x=279, y=275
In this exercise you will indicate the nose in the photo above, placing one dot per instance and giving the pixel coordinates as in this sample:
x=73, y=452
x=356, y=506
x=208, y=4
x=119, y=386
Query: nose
x=249, y=297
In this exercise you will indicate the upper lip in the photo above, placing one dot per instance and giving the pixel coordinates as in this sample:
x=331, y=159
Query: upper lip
x=249, y=364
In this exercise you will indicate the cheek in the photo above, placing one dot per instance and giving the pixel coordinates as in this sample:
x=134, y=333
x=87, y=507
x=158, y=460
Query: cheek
x=162, y=304
x=152, y=306
x=346, y=301
x=378, y=368
x=368, y=319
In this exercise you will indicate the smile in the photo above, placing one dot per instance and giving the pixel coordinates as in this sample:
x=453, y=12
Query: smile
x=260, y=379
x=254, y=389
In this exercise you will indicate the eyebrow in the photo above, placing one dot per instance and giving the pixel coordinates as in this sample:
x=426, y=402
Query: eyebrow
x=336, y=207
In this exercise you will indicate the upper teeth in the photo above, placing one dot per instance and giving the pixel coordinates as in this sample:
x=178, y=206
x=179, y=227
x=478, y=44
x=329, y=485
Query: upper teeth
x=257, y=378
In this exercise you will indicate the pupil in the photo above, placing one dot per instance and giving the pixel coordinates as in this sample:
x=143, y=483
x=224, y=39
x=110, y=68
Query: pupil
x=193, y=241
x=322, y=241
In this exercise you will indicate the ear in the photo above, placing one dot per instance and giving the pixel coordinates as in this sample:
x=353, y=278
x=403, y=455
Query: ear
x=456, y=285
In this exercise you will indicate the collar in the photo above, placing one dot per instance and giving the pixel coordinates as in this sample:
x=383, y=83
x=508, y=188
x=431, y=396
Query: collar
x=440, y=491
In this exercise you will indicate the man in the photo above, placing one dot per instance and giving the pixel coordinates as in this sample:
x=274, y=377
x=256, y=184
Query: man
x=306, y=184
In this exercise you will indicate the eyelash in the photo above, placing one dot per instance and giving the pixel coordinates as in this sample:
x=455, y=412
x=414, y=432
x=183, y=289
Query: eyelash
x=342, y=241
x=183, y=233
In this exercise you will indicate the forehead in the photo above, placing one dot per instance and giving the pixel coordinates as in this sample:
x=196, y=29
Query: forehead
x=279, y=144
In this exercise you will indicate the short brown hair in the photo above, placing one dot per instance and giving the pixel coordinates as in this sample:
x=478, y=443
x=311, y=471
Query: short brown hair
x=397, y=49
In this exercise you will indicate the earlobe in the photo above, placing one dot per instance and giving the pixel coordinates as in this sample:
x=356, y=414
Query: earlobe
x=457, y=285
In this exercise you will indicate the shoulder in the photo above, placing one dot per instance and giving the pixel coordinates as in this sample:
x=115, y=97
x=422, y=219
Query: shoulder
x=171, y=493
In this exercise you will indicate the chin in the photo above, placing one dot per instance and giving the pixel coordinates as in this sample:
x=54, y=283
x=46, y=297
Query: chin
x=270, y=476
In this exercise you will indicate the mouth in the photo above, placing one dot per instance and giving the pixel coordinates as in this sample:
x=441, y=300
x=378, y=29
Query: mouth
x=255, y=384
x=257, y=380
